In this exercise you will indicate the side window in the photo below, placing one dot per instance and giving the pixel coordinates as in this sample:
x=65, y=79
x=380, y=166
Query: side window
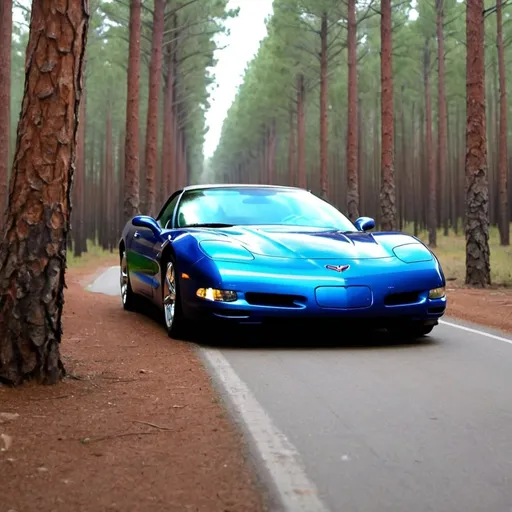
x=167, y=214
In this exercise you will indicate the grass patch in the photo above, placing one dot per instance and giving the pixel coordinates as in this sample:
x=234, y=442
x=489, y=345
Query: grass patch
x=451, y=251
x=94, y=254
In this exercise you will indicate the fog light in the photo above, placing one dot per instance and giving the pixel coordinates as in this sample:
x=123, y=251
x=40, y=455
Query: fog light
x=437, y=293
x=217, y=295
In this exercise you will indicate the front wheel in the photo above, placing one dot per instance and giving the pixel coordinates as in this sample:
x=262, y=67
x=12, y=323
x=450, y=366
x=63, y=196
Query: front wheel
x=128, y=297
x=175, y=322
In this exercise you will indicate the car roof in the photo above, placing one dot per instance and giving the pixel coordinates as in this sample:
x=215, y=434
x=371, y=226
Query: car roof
x=238, y=185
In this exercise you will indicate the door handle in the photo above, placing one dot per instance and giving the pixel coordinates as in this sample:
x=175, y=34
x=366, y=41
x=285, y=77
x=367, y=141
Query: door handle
x=136, y=234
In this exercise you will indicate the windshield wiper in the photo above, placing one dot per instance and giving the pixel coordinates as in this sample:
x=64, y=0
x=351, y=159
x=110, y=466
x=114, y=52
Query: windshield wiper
x=209, y=225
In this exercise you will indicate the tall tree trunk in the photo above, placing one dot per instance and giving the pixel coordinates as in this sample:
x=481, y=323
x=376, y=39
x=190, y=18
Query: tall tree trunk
x=502, y=157
x=108, y=218
x=431, y=168
x=442, y=128
x=387, y=191
x=352, y=117
x=155, y=73
x=405, y=171
x=361, y=159
x=5, y=101
x=301, y=133
x=477, y=187
x=33, y=252
x=168, y=128
x=120, y=185
x=104, y=197
x=132, y=168
x=272, y=152
x=91, y=182
x=324, y=121
x=80, y=244
x=291, y=152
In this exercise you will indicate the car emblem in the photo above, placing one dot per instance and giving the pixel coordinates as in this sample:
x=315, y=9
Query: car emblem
x=337, y=268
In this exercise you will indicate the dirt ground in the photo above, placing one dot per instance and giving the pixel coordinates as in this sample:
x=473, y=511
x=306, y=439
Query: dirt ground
x=137, y=426
x=141, y=430
x=491, y=307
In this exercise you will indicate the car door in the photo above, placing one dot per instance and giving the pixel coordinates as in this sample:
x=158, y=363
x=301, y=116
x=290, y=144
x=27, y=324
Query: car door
x=140, y=262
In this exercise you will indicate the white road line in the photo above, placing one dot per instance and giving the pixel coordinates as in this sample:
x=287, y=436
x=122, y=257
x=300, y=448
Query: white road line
x=476, y=331
x=282, y=460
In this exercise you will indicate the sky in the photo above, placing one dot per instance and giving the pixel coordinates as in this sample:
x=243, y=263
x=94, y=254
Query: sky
x=246, y=32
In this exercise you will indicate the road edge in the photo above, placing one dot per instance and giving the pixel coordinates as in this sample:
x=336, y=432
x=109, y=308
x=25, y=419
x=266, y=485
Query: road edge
x=278, y=462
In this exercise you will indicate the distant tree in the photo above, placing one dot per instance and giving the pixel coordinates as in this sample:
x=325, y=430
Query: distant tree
x=131, y=157
x=502, y=158
x=5, y=99
x=478, y=272
x=33, y=252
x=387, y=188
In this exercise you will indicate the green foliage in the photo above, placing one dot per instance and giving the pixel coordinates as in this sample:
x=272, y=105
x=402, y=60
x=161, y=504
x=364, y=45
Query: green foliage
x=292, y=47
x=197, y=24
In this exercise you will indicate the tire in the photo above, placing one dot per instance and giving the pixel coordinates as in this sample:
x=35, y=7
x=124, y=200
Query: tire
x=410, y=331
x=129, y=299
x=175, y=323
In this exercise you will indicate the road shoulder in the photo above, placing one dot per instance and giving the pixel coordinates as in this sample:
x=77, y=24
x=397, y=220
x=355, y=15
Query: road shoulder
x=490, y=307
x=136, y=426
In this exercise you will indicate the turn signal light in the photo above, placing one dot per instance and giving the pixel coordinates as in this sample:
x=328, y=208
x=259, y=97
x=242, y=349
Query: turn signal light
x=216, y=295
x=437, y=293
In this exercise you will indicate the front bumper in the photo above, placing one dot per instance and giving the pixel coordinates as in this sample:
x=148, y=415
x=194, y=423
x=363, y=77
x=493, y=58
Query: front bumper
x=385, y=291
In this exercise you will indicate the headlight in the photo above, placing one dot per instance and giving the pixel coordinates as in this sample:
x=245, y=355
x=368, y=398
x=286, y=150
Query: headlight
x=437, y=293
x=227, y=251
x=217, y=295
x=412, y=253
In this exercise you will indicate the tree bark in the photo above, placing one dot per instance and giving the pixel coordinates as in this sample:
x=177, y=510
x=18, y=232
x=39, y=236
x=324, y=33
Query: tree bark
x=108, y=219
x=442, y=128
x=33, y=252
x=352, y=117
x=131, y=176
x=5, y=101
x=504, y=225
x=477, y=187
x=431, y=168
x=324, y=120
x=80, y=240
x=168, y=128
x=155, y=73
x=387, y=191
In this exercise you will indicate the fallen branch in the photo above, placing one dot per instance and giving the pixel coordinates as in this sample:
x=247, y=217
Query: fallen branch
x=49, y=398
x=166, y=429
x=87, y=440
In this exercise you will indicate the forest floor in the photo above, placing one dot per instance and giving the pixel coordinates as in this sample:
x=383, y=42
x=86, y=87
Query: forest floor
x=136, y=425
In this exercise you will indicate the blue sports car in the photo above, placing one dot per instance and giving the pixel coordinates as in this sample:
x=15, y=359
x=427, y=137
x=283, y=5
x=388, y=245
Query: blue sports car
x=255, y=253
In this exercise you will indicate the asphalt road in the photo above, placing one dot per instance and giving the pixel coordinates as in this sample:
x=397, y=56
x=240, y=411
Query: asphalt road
x=385, y=427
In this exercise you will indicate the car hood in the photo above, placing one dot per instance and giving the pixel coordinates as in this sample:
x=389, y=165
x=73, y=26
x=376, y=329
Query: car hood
x=311, y=243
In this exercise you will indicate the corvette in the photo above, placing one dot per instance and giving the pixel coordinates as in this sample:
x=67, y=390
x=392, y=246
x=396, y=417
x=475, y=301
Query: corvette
x=248, y=254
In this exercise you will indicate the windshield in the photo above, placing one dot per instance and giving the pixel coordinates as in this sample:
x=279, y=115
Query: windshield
x=259, y=206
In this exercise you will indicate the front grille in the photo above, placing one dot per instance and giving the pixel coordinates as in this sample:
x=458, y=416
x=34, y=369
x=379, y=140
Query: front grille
x=399, y=299
x=277, y=300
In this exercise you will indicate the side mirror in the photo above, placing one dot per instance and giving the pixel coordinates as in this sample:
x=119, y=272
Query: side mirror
x=364, y=223
x=145, y=221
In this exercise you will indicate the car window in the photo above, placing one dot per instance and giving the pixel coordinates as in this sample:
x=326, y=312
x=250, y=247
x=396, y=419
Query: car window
x=259, y=206
x=166, y=215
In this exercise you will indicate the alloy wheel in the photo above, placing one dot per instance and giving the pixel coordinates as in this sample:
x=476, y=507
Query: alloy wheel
x=169, y=295
x=124, y=279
